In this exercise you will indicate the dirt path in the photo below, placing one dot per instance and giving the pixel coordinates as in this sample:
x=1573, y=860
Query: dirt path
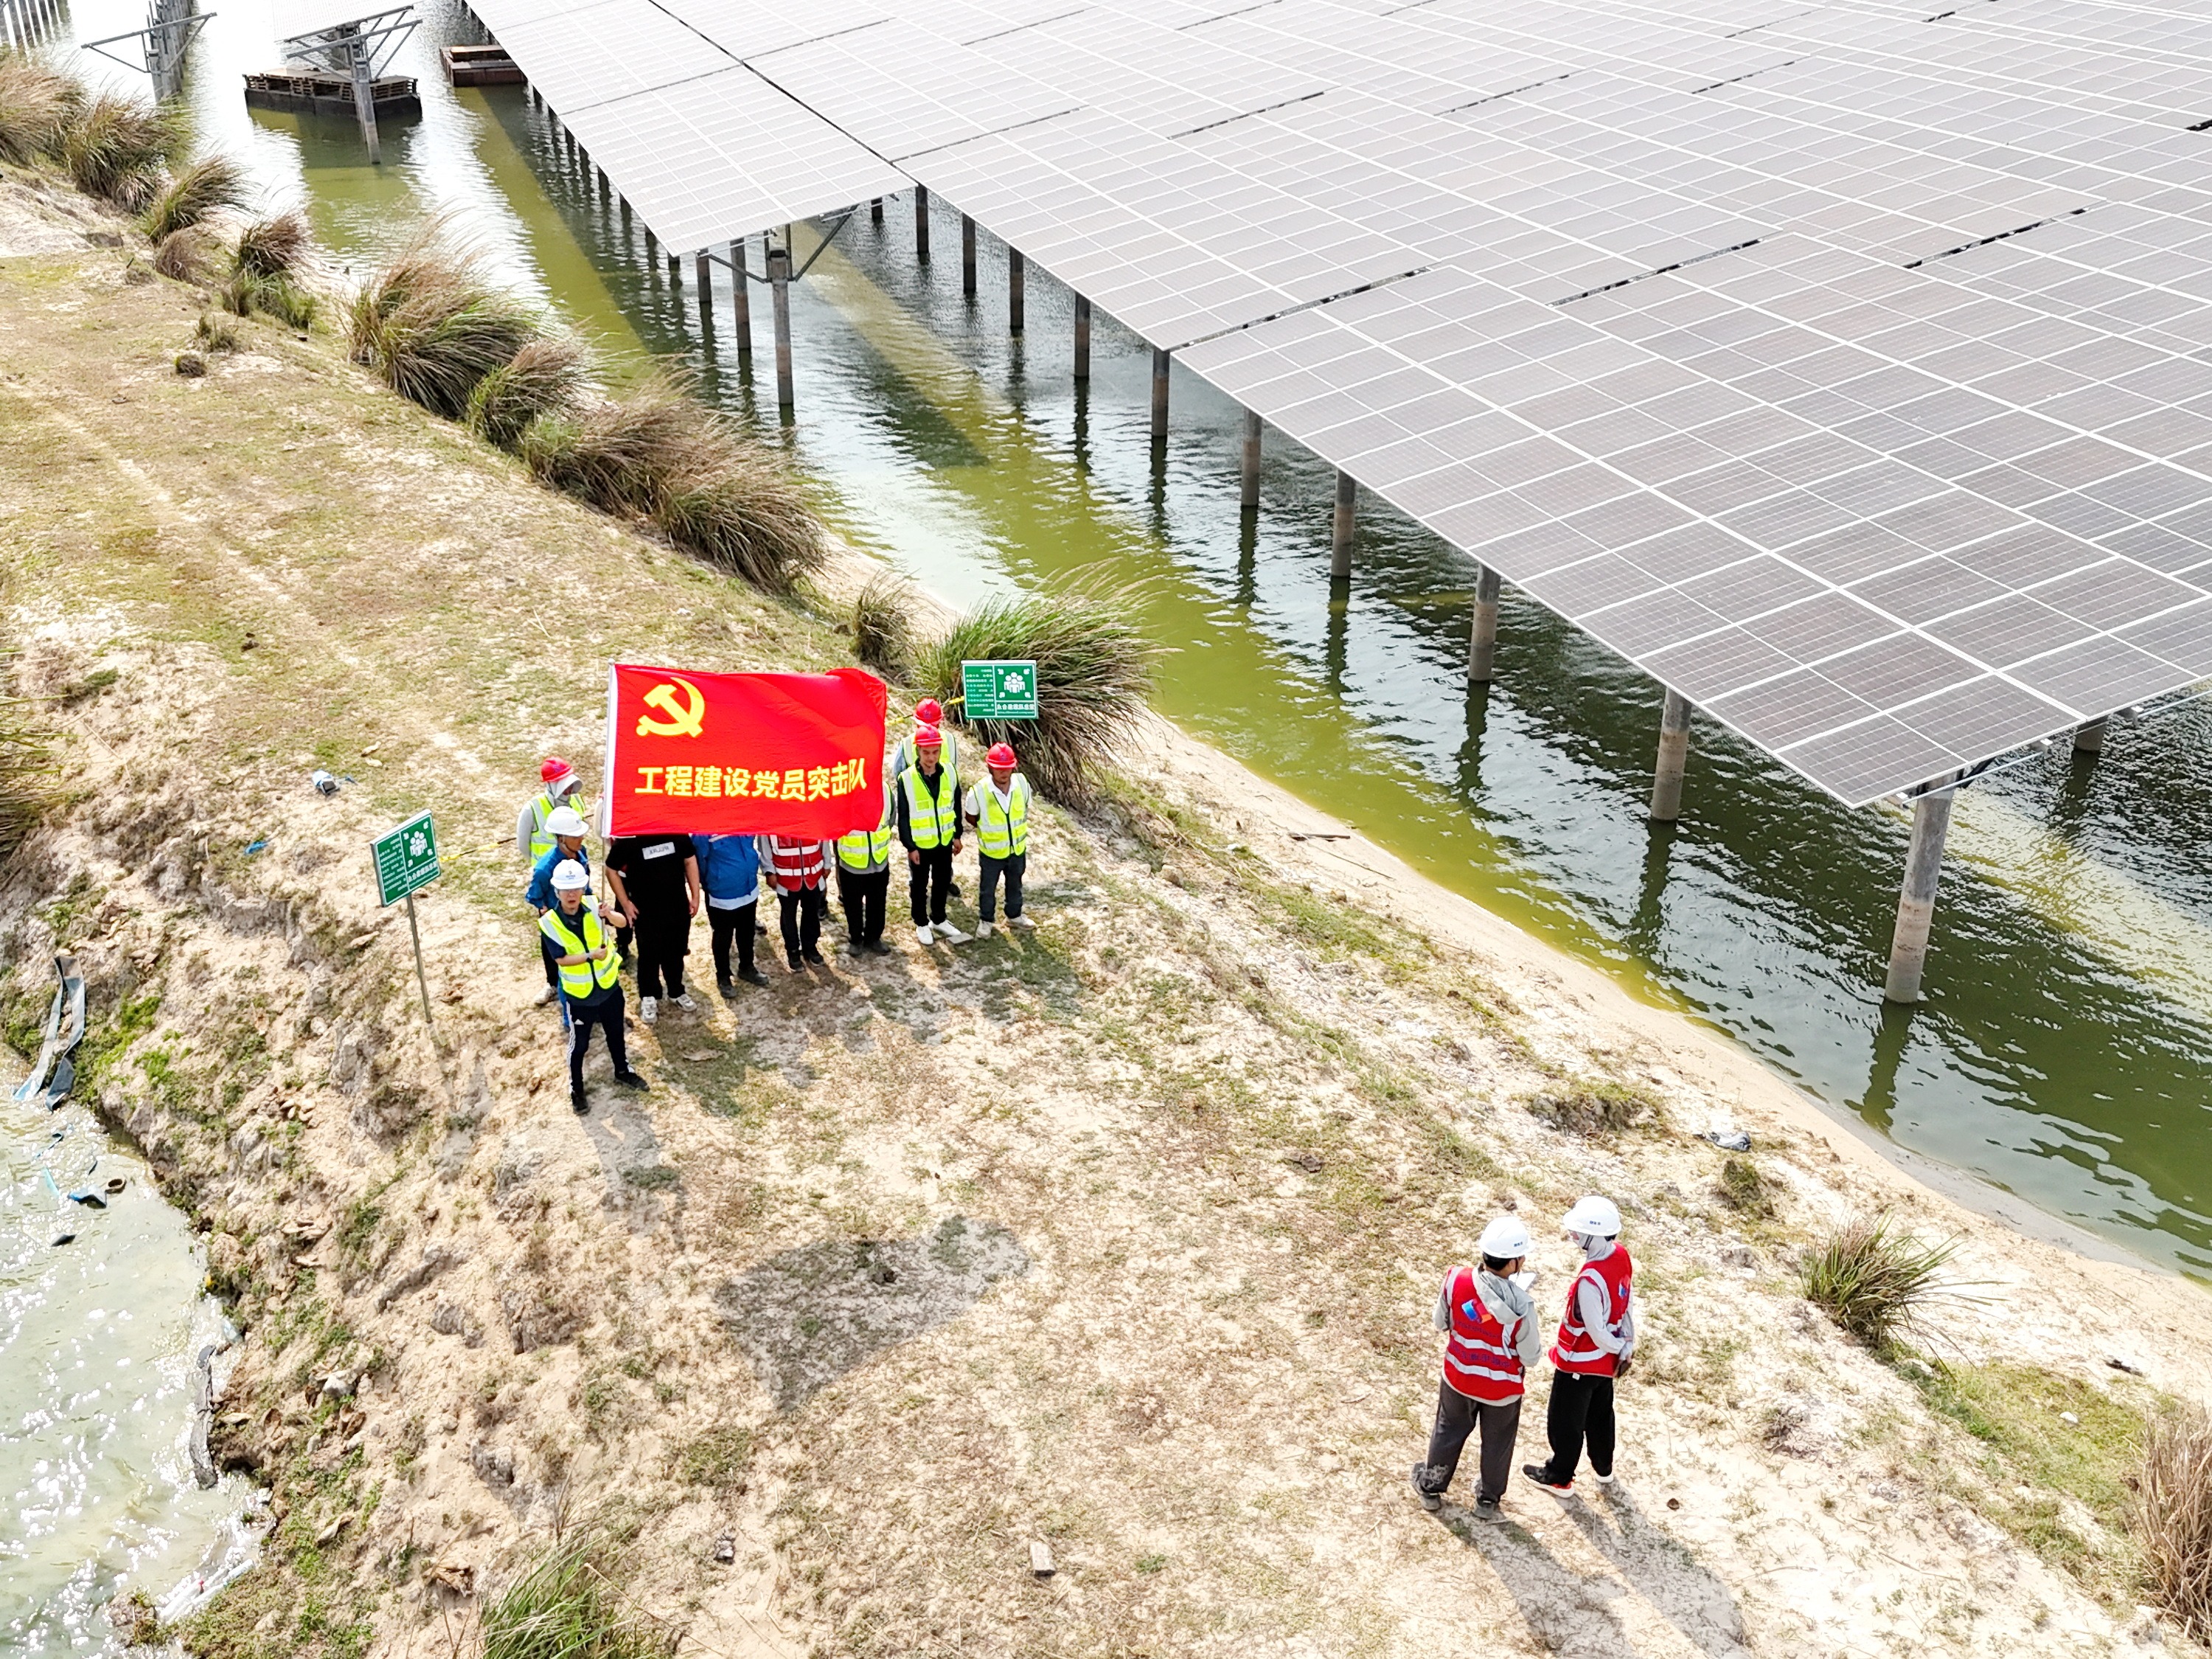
x=1123, y=1237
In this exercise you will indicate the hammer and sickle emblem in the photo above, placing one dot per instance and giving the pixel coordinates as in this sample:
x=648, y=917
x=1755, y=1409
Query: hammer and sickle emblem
x=682, y=723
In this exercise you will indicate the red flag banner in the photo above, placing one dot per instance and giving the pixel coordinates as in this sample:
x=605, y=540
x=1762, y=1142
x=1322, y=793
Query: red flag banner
x=797, y=755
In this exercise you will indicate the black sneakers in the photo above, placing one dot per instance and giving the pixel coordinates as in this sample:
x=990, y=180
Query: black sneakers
x=1541, y=1474
x=1430, y=1501
x=581, y=1102
x=632, y=1080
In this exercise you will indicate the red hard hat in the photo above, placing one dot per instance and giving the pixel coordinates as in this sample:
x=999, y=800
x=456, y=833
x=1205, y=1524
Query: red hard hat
x=928, y=737
x=1002, y=754
x=929, y=711
x=555, y=767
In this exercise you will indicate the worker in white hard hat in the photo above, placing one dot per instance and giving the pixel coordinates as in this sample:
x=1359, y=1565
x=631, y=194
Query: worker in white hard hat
x=590, y=983
x=564, y=826
x=1492, y=1338
x=1597, y=1336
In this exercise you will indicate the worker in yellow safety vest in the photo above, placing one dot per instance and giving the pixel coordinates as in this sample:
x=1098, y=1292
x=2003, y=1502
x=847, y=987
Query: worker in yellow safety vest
x=928, y=716
x=561, y=787
x=929, y=803
x=998, y=808
x=864, y=878
x=590, y=983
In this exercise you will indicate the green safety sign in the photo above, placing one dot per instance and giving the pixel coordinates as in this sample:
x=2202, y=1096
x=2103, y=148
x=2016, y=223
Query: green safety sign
x=406, y=859
x=999, y=690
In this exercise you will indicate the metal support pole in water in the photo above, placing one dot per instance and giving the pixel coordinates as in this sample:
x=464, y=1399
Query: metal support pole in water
x=779, y=281
x=1248, y=467
x=1017, y=290
x=1482, y=637
x=651, y=247
x=875, y=209
x=1082, y=339
x=921, y=223
x=741, y=299
x=706, y=281
x=2089, y=737
x=1159, y=397
x=364, y=102
x=1673, y=757
x=1916, y=903
x=675, y=270
x=606, y=189
x=1340, y=539
x=967, y=256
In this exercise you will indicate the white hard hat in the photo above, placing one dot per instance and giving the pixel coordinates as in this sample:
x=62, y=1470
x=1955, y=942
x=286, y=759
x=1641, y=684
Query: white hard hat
x=564, y=821
x=570, y=877
x=1504, y=1238
x=1594, y=1215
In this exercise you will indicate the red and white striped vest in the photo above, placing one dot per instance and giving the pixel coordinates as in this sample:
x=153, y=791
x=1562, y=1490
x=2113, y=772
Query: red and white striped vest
x=793, y=865
x=1480, y=1359
x=1572, y=1350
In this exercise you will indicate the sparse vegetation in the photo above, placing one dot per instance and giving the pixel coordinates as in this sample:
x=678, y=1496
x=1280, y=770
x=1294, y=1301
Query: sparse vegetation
x=35, y=100
x=883, y=623
x=2173, y=1518
x=1874, y=1280
x=273, y=246
x=717, y=1458
x=120, y=149
x=212, y=182
x=187, y=255
x=545, y=375
x=432, y=323
x=216, y=331
x=1745, y=1190
x=568, y=1607
x=1597, y=1107
x=1093, y=670
x=26, y=775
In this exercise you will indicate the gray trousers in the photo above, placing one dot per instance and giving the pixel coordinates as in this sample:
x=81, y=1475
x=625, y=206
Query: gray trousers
x=1457, y=1417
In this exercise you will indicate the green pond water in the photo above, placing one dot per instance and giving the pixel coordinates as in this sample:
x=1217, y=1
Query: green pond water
x=2063, y=1052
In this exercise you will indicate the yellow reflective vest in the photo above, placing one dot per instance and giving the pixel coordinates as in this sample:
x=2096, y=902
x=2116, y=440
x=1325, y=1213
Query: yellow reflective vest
x=541, y=838
x=578, y=979
x=903, y=756
x=862, y=850
x=1002, y=827
x=933, y=818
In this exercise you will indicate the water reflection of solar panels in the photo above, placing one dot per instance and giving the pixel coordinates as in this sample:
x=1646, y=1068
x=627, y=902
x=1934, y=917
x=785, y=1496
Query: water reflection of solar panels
x=1836, y=363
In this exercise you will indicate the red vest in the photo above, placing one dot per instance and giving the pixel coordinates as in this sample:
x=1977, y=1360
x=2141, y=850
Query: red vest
x=793, y=865
x=1480, y=1359
x=1573, y=1349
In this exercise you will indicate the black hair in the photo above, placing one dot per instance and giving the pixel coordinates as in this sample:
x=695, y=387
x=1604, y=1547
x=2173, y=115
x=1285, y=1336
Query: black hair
x=1497, y=1264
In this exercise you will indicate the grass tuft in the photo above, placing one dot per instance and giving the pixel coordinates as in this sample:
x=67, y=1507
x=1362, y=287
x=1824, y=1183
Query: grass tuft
x=1094, y=669
x=567, y=1606
x=1597, y=1107
x=216, y=331
x=544, y=377
x=1874, y=1281
x=619, y=456
x=883, y=623
x=187, y=255
x=211, y=182
x=432, y=323
x=119, y=150
x=247, y=295
x=1744, y=1188
x=2173, y=1518
x=740, y=506
x=35, y=100
x=273, y=246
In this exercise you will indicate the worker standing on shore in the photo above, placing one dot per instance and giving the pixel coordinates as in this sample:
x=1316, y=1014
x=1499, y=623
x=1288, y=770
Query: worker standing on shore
x=864, y=878
x=1494, y=1338
x=533, y=835
x=729, y=871
x=929, y=830
x=656, y=881
x=564, y=829
x=998, y=809
x=578, y=946
x=799, y=871
x=929, y=716
x=1596, y=1338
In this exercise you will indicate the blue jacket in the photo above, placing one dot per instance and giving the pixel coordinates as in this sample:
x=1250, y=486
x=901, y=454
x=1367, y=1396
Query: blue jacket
x=539, y=895
x=729, y=867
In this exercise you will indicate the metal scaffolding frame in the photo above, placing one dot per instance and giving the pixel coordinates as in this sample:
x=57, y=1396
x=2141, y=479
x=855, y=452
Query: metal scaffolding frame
x=361, y=49
x=172, y=25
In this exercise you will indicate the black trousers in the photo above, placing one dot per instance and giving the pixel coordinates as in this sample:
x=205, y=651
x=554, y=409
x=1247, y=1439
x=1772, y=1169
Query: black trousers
x=799, y=915
x=545, y=953
x=987, y=897
x=1457, y=1417
x=607, y=1015
x=726, y=926
x=662, y=940
x=927, y=883
x=862, y=896
x=1581, y=1410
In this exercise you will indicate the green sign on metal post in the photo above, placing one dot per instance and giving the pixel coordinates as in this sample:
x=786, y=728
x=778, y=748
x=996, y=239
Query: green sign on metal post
x=406, y=859
x=407, y=862
x=999, y=690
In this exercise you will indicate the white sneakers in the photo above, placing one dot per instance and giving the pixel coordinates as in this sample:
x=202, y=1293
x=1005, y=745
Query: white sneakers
x=924, y=935
x=683, y=999
x=1022, y=922
x=648, y=1009
x=982, y=930
x=951, y=934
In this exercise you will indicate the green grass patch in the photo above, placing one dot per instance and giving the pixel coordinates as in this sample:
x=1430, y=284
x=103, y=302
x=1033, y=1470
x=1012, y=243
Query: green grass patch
x=568, y=1606
x=717, y=1458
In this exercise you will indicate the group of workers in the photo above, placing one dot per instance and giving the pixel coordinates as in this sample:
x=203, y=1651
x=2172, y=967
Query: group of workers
x=655, y=885
x=1493, y=1339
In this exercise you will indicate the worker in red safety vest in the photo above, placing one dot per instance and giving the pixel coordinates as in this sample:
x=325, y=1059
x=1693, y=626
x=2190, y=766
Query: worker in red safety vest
x=1597, y=1336
x=1494, y=1336
x=799, y=871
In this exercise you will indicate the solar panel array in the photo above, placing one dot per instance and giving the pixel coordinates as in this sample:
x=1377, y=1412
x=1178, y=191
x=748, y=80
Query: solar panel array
x=1843, y=365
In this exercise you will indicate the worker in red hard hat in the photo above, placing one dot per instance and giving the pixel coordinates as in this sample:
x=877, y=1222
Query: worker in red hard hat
x=928, y=714
x=559, y=787
x=929, y=803
x=999, y=809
